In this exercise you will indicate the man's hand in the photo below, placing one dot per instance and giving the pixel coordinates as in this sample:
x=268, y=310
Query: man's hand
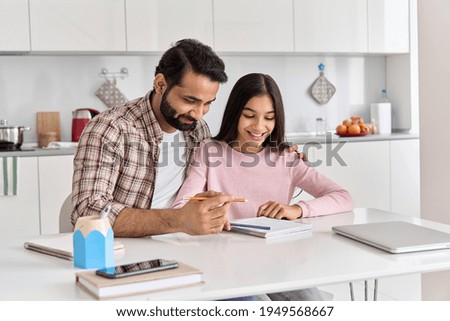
x=276, y=210
x=206, y=217
x=301, y=155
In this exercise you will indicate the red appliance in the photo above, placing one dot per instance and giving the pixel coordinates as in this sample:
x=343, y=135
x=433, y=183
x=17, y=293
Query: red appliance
x=80, y=117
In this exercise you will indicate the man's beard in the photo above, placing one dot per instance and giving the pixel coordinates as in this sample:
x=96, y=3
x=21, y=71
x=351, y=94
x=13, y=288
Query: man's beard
x=169, y=113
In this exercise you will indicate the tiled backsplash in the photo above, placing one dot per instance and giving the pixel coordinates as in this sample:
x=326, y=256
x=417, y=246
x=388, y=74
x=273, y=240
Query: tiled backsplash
x=29, y=84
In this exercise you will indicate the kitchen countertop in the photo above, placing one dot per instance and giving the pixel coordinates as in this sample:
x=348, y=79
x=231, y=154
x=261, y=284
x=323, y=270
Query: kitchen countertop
x=296, y=138
x=33, y=151
x=305, y=138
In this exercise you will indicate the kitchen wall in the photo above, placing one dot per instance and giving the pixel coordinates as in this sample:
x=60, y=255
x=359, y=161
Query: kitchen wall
x=29, y=84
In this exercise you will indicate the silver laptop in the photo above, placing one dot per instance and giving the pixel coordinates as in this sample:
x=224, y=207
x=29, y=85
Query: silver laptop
x=396, y=236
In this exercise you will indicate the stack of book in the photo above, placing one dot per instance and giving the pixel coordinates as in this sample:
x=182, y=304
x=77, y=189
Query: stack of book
x=105, y=288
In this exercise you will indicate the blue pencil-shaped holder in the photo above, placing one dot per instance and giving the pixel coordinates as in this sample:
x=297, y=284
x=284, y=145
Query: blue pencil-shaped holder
x=93, y=243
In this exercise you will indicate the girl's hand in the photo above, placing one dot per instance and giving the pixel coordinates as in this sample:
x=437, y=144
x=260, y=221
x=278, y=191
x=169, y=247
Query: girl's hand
x=301, y=155
x=276, y=210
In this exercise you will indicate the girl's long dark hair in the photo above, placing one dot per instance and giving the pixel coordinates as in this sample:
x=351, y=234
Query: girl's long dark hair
x=246, y=88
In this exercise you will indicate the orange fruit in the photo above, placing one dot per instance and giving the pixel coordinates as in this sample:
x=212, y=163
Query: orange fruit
x=364, y=128
x=354, y=130
x=341, y=130
x=356, y=121
x=347, y=122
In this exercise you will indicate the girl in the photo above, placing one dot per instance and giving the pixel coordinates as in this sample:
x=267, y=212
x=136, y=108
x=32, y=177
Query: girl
x=248, y=159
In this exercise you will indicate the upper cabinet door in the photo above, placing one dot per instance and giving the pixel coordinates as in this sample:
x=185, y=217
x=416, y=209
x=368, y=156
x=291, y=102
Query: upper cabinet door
x=253, y=25
x=388, y=26
x=330, y=26
x=153, y=25
x=77, y=25
x=14, y=25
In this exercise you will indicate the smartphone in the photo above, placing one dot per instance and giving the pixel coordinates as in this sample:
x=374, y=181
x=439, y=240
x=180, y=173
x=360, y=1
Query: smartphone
x=125, y=270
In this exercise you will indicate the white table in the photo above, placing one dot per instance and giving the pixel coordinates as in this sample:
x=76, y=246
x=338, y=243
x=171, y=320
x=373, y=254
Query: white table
x=233, y=264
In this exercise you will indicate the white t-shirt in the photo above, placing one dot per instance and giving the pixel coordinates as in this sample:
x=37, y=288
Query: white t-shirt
x=171, y=167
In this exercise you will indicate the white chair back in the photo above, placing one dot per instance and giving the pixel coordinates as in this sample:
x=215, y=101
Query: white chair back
x=65, y=225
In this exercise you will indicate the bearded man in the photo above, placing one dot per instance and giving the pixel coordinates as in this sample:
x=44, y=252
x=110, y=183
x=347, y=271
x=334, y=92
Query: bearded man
x=134, y=157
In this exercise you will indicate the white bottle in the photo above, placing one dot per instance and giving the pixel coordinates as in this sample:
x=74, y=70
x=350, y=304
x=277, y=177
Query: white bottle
x=380, y=114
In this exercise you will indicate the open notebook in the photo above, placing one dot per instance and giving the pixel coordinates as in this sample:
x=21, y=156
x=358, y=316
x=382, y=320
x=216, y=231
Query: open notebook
x=268, y=227
x=60, y=245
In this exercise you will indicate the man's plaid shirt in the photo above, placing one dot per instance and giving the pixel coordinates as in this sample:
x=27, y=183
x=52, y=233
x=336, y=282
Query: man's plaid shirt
x=117, y=156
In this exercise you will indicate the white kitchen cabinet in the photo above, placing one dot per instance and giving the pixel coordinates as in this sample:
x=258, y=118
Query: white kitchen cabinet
x=405, y=176
x=384, y=175
x=361, y=168
x=153, y=25
x=388, y=26
x=14, y=25
x=19, y=215
x=77, y=25
x=253, y=25
x=330, y=26
x=55, y=184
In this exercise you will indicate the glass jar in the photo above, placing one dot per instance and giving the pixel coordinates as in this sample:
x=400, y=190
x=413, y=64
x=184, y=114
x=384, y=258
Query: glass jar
x=321, y=126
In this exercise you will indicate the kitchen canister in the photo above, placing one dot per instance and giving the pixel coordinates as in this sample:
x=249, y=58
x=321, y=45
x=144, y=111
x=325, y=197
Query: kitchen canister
x=381, y=114
x=93, y=243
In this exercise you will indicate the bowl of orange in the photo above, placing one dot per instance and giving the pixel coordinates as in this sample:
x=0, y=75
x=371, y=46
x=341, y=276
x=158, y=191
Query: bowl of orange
x=353, y=127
